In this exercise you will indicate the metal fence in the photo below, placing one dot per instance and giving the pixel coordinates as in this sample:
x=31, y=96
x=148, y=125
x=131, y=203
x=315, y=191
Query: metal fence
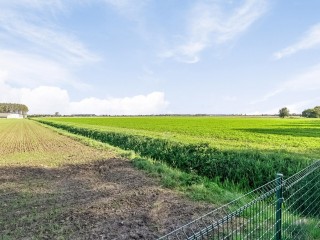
x=281, y=209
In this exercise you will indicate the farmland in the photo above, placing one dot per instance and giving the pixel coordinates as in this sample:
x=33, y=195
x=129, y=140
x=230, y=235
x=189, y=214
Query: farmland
x=54, y=187
x=294, y=135
x=245, y=151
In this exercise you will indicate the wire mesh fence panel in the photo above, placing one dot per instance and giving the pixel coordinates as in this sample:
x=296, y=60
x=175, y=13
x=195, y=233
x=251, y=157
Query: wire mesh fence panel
x=301, y=208
x=281, y=209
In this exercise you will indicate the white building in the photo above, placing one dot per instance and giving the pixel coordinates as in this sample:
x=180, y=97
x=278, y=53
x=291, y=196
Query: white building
x=11, y=115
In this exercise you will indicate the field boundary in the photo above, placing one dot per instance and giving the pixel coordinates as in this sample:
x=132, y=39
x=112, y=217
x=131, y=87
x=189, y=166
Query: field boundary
x=281, y=209
x=231, y=166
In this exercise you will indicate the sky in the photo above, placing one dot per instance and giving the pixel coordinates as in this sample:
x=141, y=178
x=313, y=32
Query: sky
x=132, y=57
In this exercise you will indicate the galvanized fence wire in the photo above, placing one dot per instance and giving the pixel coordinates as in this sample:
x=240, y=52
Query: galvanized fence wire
x=281, y=209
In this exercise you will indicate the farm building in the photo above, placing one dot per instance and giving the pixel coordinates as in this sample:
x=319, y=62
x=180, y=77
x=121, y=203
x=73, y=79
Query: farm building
x=10, y=115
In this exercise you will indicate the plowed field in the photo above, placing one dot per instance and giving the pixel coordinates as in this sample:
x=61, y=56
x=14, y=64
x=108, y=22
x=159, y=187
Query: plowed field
x=53, y=187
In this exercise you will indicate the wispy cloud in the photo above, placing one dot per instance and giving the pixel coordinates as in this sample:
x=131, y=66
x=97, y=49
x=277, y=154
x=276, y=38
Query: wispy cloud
x=310, y=40
x=47, y=39
x=298, y=107
x=37, y=4
x=28, y=70
x=293, y=106
x=129, y=8
x=308, y=81
x=210, y=25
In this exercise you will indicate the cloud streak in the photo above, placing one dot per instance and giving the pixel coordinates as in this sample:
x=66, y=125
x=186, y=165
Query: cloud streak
x=209, y=25
x=310, y=40
x=35, y=4
x=29, y=70
x=128, y=8
x=308, y=81
x=46, y=38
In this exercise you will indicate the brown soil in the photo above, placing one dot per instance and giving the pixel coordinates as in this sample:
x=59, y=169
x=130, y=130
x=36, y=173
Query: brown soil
x=105, y=198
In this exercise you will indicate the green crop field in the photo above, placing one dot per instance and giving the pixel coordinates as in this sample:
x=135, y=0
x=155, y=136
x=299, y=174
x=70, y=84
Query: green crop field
x=244, y=151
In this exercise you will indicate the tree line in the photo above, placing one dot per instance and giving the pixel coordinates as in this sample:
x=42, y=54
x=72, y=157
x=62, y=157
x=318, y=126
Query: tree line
x=308, y=113
x=13, y=108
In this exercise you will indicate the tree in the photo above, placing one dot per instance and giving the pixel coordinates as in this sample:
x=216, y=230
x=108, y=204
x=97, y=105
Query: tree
x=13, y=108
x=317, y=111
x=308, y=113
x=312, y=112
x=284, y=112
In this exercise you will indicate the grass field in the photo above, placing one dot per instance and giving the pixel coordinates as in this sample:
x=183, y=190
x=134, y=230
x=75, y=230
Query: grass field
x=292, y=135
x=53, y=187
x=245, y=151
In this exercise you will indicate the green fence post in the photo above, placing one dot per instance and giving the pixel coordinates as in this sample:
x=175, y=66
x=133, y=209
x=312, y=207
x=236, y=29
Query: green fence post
x=279, y=196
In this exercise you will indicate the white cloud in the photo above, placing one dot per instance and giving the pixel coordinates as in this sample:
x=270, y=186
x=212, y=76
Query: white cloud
x=45, y=99
x=209, y=25
x=48, y=100
x=310, y=40
x=153, y=103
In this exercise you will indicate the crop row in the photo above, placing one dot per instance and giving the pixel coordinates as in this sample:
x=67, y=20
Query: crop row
x=294, y=136
x=246, y=168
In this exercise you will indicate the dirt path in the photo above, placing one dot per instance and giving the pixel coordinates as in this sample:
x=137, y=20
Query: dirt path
x=61, y=188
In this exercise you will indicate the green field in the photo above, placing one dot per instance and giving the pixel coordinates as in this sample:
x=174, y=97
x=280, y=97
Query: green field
x=245, y=151
x=293, y=135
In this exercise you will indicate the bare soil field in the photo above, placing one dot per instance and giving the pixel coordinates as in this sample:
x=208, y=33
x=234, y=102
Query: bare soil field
x=53, y=187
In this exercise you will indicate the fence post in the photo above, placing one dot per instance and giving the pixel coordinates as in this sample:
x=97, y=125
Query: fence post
x=279, y=196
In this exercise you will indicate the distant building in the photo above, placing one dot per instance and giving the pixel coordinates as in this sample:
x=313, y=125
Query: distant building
x=11, y=115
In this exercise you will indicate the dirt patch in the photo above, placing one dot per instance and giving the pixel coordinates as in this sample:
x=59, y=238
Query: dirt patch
x=107, y=199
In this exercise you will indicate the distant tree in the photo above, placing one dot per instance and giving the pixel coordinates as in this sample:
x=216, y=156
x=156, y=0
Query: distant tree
x=317, y=111
x=312, y=112
x=13, y=108
x=284, y=112
x=308, y=113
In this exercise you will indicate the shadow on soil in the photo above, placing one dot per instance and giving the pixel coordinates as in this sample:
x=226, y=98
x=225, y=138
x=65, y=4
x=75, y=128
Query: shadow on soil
x=107, y=199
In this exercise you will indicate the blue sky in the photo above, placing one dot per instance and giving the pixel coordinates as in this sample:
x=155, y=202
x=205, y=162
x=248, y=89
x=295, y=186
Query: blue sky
x=160, y=56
